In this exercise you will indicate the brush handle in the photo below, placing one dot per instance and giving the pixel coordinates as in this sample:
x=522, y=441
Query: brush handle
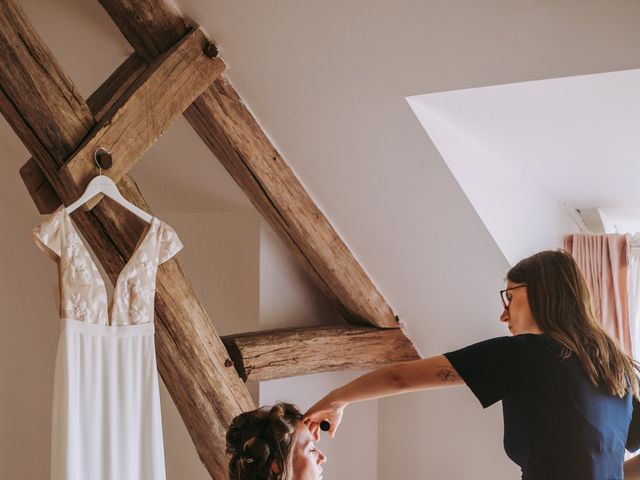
x=325, y=426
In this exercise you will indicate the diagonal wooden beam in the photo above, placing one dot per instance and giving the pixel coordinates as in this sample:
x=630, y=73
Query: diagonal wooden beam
x=233, y=135
x=38, y=186
x=192, y=360
x=268, y=355
x=32, y=85
x=147, y=109
x=150, y=26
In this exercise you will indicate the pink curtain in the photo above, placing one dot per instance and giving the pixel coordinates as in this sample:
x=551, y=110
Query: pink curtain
x=604, y=264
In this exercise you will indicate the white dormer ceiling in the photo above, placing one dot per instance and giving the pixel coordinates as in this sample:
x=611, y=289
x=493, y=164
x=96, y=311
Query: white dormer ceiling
x=529, y=154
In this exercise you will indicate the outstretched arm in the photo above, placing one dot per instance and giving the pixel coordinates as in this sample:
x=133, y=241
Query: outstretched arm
x=394, y=379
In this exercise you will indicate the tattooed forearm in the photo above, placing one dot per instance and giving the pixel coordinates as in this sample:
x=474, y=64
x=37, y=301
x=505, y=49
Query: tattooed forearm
x=447, y=374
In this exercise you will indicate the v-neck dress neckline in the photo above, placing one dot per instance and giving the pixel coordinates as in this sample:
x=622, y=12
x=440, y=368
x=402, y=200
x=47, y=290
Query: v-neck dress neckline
x=116, y=285
x=83, y=292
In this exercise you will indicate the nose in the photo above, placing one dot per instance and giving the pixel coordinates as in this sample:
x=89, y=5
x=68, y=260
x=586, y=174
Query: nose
x=505, y=316
x=321, y=457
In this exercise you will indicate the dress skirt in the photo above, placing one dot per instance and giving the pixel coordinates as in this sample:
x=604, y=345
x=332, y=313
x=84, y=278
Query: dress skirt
x=106, y=422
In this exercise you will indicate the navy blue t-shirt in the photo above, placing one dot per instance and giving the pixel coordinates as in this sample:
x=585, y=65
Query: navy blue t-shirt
x=557, y=425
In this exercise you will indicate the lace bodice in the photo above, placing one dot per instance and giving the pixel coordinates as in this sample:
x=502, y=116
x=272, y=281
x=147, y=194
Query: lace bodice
x=83, y=294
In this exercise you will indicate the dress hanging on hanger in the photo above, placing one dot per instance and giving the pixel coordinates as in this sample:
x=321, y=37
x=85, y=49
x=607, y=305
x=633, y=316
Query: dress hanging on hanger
x=106, y=422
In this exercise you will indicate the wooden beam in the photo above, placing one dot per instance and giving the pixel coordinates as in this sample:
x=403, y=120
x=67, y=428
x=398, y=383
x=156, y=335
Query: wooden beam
x=231, y=132
x=33, y=86
x=192, y=360
x=268, y=355
x=147, y=109
x=114, y=87
x=38, y=186
x=228, y=128
x=151, y=26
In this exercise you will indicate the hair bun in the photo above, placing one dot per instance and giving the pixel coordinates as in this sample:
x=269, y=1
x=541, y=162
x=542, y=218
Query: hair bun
x=258, y=438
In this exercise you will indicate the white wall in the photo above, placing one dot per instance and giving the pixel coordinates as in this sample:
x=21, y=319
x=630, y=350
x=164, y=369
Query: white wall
x=441, y=434
x=521, y=216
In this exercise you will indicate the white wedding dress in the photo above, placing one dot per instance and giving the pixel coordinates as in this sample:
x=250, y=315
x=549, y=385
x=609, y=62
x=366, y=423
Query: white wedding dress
x=106, y=421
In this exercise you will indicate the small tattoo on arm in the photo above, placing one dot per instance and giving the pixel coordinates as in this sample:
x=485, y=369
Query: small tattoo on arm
x=447, y=374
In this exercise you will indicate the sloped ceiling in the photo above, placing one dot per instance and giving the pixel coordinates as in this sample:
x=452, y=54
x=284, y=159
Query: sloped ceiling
x=531, y=155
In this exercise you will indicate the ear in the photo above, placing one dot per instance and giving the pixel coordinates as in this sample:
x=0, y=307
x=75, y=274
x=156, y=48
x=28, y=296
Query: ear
x=275, y=468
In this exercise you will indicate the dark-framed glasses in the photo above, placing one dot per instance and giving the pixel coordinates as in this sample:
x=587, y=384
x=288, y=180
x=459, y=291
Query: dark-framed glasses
x=503, y=295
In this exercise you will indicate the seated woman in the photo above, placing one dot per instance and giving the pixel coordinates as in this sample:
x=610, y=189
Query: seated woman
x=272, y=443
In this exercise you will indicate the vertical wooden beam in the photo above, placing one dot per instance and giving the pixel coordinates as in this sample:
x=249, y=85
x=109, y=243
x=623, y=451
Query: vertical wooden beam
x=151, y=26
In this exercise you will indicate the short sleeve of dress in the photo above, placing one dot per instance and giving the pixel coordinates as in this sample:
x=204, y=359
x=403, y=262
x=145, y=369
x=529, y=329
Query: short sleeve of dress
x=170, y=244
x=633, y=437
x=47, y=236
x=495, y=368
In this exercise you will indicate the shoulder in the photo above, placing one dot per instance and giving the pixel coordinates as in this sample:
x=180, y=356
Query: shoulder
x=527, y=347
x=536, y=341
x=532, y=345
x=495, y=368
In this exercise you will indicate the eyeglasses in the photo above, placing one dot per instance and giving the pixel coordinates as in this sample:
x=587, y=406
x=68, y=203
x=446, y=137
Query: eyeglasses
x=503, y=295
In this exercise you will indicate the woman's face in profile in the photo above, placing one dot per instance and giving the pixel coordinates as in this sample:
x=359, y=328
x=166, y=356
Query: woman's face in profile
x=517, y=315
x=307, y=458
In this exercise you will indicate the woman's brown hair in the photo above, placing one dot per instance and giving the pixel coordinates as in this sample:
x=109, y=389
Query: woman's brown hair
x=560, y=303
x=259, y=439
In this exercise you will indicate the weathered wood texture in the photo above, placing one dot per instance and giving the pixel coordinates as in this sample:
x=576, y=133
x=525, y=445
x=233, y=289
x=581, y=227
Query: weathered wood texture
x=38, y=100
x=151, y=26
x=234, y=136
x=38, y=186
x=147, y=109
x=191, y=357
x=268, y=355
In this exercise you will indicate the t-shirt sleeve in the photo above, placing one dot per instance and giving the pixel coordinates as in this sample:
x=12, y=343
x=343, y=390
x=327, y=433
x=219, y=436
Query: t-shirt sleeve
x=170, y=244
x=47, y=236
x=633, y=437
x=495, y=368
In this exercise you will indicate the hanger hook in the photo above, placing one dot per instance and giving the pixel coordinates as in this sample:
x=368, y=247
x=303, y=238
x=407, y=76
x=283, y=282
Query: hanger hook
x=102, y=155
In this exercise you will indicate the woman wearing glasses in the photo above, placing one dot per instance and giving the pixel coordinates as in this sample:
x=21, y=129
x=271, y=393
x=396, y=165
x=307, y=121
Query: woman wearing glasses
x=568, y=392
